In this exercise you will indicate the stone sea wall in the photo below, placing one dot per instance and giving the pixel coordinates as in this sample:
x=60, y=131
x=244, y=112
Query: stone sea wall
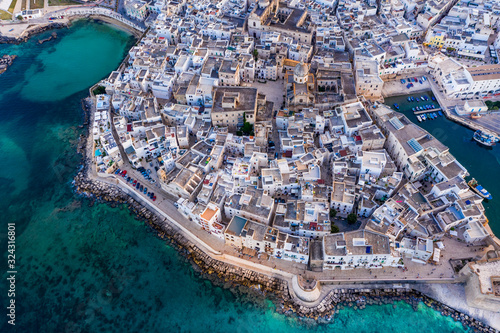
x=31, y=32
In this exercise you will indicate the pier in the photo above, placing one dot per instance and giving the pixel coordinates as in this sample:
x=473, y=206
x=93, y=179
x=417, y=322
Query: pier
x=426, y=111
x=448, y=113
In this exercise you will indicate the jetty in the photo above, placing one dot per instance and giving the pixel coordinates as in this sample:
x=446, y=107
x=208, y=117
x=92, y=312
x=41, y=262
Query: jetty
x=426, y=111
x=53, y=36
x=467, y=122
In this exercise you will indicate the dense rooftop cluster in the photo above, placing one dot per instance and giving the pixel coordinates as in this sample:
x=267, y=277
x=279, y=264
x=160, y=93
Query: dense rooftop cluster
x=269, y=167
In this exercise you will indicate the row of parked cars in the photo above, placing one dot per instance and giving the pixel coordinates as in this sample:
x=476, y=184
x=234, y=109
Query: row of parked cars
x=145, y=173
x=138, y=186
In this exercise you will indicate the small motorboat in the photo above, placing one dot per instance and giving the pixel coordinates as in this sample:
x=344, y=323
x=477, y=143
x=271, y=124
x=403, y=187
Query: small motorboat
x=479, y=189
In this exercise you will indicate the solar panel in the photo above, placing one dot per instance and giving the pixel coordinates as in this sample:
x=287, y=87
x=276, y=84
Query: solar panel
x=396, y=123
x=415, y=145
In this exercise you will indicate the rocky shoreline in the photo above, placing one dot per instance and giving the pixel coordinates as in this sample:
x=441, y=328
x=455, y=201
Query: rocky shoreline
x=30, y=33
x=256, y=285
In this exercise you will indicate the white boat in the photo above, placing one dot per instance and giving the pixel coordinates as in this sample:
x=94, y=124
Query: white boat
x=419, y=119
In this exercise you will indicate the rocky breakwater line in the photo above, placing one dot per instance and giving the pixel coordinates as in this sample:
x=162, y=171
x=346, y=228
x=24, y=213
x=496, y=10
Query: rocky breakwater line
x=238, y=280
x=27, y=34
x=338, y=299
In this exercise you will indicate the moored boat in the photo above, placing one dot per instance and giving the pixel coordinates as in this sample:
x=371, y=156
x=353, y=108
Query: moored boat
x=485, y=138
x=479, y=189
x=396, y=106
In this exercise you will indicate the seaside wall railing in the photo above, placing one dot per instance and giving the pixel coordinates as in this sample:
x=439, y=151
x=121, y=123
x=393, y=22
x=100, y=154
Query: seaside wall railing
x=84, y=11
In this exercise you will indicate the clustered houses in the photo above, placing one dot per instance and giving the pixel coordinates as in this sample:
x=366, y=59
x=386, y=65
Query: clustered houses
x=191, y=104
x=464, y=33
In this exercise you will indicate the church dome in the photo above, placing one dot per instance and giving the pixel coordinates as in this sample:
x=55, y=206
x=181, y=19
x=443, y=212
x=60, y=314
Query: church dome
x=301, y=69
x=301, y=72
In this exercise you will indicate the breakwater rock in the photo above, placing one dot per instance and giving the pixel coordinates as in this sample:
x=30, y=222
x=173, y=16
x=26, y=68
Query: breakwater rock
x=6, y=61
x=31, y=32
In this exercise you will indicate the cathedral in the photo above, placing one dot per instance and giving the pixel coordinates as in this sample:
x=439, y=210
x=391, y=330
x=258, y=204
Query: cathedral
x=300, y=87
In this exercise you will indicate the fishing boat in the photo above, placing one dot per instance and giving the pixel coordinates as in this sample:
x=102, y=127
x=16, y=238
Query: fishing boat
x=412, y=99
x=419, y=119
x=434, y=114
x=426, y=98
x=408, y=99
x=422, y=98
x=413, y=109
x=440, y=113
x=479, y=189
x=485, y=138
x=396, y=106
x=433, y=98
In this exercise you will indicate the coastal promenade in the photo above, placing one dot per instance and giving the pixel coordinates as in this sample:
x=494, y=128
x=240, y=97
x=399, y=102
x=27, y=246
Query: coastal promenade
x=489, y=123
x=64, y=15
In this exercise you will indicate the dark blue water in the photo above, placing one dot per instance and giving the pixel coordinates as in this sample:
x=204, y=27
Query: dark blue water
x=481, y=162
x=97, y=269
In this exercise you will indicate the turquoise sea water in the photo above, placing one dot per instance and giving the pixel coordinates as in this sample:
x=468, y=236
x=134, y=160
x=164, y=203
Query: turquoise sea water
x=482, y=162
x=97, y=269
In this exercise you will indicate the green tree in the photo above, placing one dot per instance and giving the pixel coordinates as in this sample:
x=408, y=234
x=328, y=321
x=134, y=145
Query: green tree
x=19, y=17
x=99, y=90
x=333, y=213
x=255, y=54
x=247, y=128
x=352, y=218
x=334, y=229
